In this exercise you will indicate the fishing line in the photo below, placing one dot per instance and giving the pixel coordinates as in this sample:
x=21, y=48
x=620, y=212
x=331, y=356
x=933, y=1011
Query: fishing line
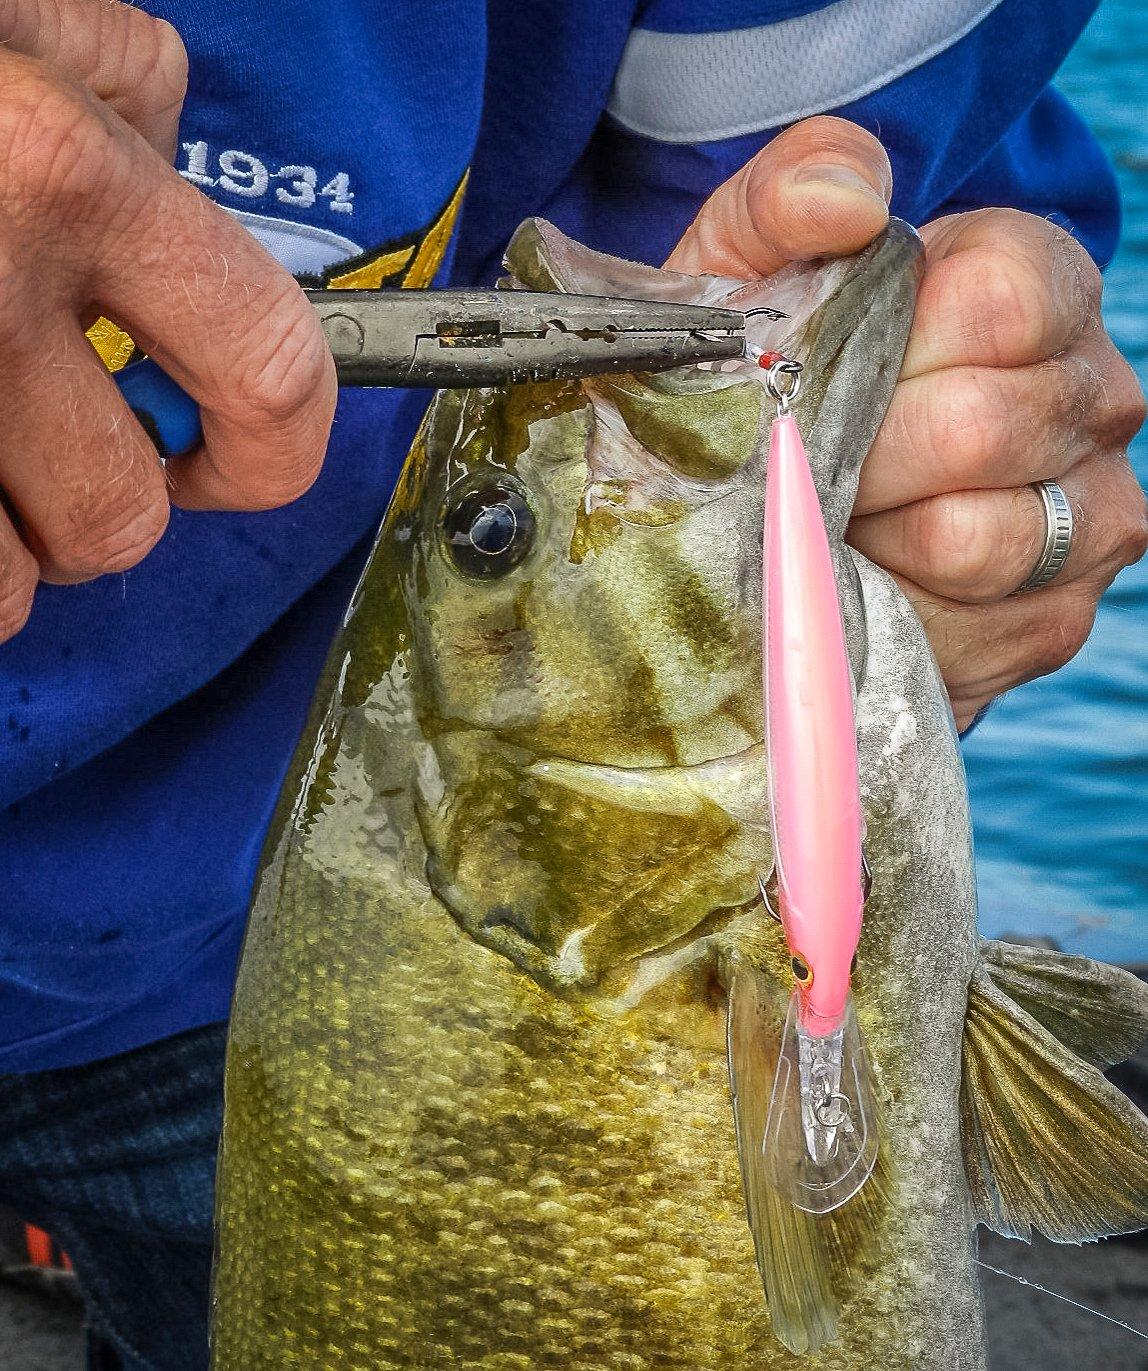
x=1056, y=1295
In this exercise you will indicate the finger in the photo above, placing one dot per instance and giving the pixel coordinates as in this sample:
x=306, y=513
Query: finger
x=1002, y=289
x=193, y=288
x=234, y=329
x=984, y=650
x=18, y=576
x=819, y=189
x=979, y=546
x=974, y=427
x=134, y=62
x=77, y=470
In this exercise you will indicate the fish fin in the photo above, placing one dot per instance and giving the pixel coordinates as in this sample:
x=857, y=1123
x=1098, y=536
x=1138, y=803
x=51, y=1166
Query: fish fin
x=852, y=1231
x=792, y=1255
x=1100, y=1012
x=1048, y=1142
x=811, y=1265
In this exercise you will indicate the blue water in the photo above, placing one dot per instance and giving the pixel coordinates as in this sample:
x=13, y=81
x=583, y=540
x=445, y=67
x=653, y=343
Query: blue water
x=1059, y=770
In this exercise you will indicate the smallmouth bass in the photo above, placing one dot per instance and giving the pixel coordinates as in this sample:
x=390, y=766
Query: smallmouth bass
x=508, y=953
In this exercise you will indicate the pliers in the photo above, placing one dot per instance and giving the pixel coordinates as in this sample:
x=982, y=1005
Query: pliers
x=467, y=338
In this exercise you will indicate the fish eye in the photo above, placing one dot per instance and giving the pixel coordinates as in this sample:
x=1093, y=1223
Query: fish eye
x=487, y=525
x=801, y=971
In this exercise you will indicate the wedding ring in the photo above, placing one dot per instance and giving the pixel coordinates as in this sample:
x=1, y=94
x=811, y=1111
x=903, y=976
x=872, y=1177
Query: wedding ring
x=1058, y=529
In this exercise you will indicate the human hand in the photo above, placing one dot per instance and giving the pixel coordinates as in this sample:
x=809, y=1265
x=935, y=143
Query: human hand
x=1009, y=378
x=97, y=221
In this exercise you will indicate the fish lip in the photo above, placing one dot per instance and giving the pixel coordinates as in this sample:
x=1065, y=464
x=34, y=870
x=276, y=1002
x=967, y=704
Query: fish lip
x=734, y=783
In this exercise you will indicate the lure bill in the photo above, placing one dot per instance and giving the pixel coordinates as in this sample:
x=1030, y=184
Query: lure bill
x=821, y=1135
x=820, y=1139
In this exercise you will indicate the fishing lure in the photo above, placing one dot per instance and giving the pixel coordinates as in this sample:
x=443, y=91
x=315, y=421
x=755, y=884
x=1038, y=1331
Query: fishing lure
x=820, y=1136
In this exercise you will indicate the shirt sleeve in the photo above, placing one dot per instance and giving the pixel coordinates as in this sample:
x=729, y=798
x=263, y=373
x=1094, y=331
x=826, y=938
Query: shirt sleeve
x=1049, y=163
x=964, y=126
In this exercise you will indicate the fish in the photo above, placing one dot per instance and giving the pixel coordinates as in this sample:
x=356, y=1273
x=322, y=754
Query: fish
x=512, y=1000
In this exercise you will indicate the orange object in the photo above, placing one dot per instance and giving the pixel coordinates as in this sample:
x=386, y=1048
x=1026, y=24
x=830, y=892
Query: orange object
x=39, y=1246
x=43, y=1251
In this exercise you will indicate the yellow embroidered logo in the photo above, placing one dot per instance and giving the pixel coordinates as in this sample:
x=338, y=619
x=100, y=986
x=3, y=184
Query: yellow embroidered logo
x=410, y=262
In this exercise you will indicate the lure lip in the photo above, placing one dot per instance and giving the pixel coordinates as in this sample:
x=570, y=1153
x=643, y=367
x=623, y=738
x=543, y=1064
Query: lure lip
x=821, y=1134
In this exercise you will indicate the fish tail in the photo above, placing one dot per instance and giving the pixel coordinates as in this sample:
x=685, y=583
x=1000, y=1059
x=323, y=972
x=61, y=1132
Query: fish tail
x=809, y=1263
x=1049, y=1143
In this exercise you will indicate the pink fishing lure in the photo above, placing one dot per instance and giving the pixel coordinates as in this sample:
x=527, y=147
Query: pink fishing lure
x=820, y=1137
x=812, y=739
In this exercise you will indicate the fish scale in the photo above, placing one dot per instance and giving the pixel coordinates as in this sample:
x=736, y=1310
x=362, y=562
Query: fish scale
x=507, y=954
x=583, y=1168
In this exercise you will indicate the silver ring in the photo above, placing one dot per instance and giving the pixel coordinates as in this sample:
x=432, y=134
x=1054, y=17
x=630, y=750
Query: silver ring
x=1058, y=530
x=785, y=394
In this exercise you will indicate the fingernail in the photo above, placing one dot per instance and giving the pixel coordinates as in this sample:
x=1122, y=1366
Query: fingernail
x=835, y=174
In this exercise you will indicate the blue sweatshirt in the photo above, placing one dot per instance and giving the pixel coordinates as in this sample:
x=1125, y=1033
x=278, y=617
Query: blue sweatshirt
x=147, y=719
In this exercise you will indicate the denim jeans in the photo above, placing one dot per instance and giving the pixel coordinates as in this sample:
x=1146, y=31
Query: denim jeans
x=116, y=1160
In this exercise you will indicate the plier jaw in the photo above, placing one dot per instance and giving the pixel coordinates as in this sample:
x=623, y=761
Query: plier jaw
x=461, y=338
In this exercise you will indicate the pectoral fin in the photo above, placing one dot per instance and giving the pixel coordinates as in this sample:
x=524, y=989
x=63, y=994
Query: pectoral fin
x=1049, y=1143
x=1098, y=1011
x=809, y=1263
x=790, y=1249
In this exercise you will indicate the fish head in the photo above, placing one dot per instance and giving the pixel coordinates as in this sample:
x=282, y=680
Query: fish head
x=581, y=573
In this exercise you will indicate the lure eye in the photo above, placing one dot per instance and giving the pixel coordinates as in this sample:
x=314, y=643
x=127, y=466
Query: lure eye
x=801, y=971
x=487, y=525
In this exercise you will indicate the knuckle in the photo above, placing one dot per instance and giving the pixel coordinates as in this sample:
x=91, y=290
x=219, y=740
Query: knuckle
x=1006, y=306
x=1074, y=272
x=279, y=389
x=1133, y=543
x=957, y=547
x=289, y=395
x=50, y=139
x=168, y=67
x=969, y=546
x=1121, y=411
x=1131, y=531
x=1134, y=407
x=152, y=60
x=1063, y=394
x=263, y=490
x=963, y=424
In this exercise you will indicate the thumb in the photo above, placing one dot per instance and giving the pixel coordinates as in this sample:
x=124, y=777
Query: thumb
x=820, y=189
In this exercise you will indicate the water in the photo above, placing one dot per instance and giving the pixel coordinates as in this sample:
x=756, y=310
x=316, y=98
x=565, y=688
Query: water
x=1058, y=772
